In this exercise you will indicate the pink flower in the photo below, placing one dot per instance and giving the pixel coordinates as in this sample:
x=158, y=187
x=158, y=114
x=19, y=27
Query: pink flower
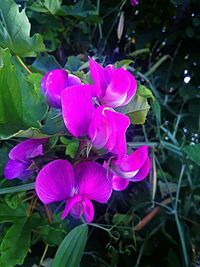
x=103, y=126
x=21, y=157
x=78, y=185
x=54, y=82
x=134, y=2
x=134, y=168
x=113, y=87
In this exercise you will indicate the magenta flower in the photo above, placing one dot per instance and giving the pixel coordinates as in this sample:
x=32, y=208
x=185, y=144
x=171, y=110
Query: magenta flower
x=134, y=2
x=54, y=82
x=20, y=163
x=78, y=185
x=113, y=87
x=134, y=168
x=103, y=126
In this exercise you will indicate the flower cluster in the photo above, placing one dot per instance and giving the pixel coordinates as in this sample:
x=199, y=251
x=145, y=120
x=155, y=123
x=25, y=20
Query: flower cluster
x=89, y=114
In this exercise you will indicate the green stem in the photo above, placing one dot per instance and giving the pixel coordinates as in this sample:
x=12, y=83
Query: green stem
x=23, y=65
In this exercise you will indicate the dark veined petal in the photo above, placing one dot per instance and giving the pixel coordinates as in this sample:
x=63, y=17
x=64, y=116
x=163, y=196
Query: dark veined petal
x=78, y=109
x=119, y=183
x=88, y=210
x=17, y=169
x=75, y=204
x=27, y=149
x=55, y=182
x=92, y=181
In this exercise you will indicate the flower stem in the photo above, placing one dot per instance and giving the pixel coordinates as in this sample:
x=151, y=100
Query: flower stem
x=44, y=254
x=23, y=65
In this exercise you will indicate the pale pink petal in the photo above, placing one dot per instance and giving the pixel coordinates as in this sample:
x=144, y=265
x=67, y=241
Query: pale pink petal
x=143, y=172
x=88, y=208
x=27, y=149
x=55, y=182
x=119, y=183
x=77, y=109
x=99, y=77
x=70, y=203
x=116, y=92
x=17, y=169
x=53, y=83
x=92, y=181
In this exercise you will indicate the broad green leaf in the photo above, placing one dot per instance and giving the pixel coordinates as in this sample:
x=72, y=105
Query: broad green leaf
x=52, y=5
x=21, y=103
x=137, y=109
x=8, y=214
x=15, y=31
x=15, y=244
x=71, y=146
x=193, y=152
x=52, y=234
x=71, y=249
x=73, y=63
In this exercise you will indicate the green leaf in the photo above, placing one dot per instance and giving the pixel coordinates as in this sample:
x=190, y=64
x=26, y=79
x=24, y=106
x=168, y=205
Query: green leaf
x=8, y=214
x=71, y=249
x=73, y=63
x=52, y=5
x=123, y=63
x=15, y=244
x=16, y=189
x=15, y=31
x=21, y=103
x=45, y=63
x=193, y=152
x=145, y=92
x=71, y=146
x=137, y=109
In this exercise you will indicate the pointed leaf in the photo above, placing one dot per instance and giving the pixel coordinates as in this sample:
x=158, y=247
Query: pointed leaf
x=71, y=249
x=15, y=31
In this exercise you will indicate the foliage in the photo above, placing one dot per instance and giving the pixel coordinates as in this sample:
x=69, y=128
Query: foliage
x=159, y=45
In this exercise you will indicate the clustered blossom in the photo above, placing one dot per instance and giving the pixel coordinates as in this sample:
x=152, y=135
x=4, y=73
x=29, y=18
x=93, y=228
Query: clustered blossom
x=89, y=114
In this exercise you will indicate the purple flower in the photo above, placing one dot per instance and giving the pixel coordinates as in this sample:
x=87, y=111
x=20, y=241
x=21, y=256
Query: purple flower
x=20, y=163
x=54, y=82
x=102, y=125
x=134, y=168
x=113, y=87
x=78, y=185
x=134, y=2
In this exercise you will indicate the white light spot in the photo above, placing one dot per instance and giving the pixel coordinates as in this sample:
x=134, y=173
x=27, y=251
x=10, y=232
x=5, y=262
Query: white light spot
x=185, y=72
x=187, y=79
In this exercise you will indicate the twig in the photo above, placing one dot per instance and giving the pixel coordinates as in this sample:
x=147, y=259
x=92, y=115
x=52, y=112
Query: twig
x=23, y=65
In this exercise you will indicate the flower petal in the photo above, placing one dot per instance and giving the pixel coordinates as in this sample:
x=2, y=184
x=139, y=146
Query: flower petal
x=53, y=83
x=132, y=89
x=77, y=109
x=116, y=92
x=70, y=203
x=88, y=210
x=119, y=183
x=99, y=77
x=99, y=129
x=27, y=149
x=134, y=161
x=73, y=80
x=143, y=172
x=17, y=169
x=92, y=181
x=55, y=182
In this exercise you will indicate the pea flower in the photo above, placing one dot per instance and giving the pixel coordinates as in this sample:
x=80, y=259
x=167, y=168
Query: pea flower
x=20, y=164
x=114, y=87
x=78, y=185
x=134, y=2
x=132, y=168
x=54, y=82
x=103, y=126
